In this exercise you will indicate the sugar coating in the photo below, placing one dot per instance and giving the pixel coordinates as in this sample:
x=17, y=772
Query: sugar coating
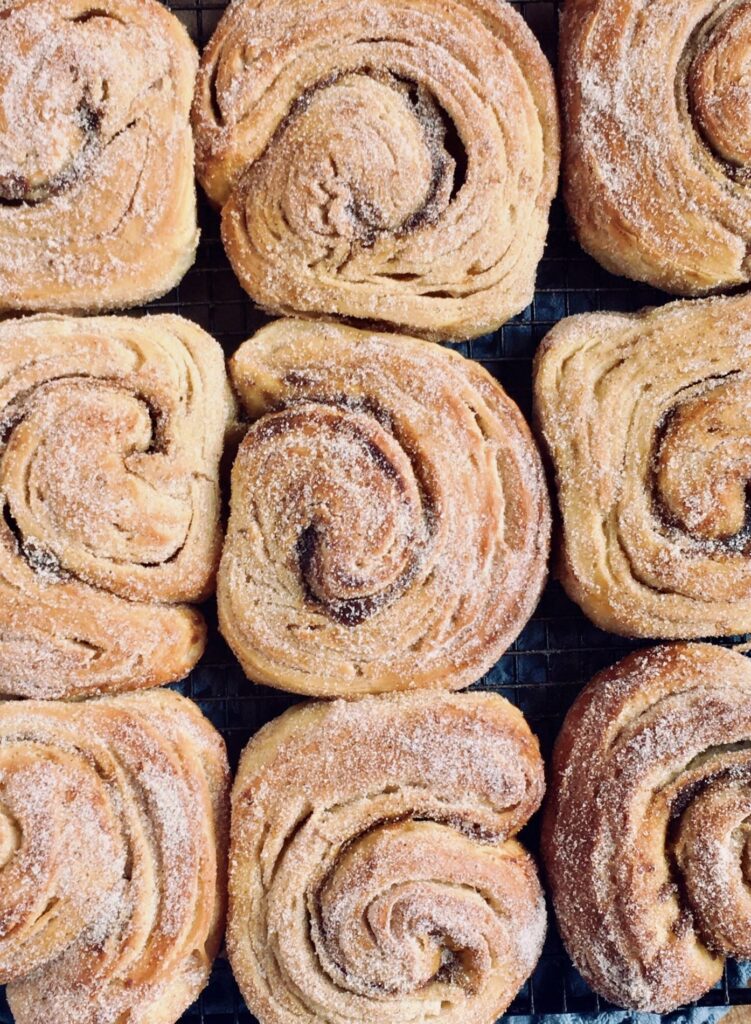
x=111, y=431
x=113, y=816
x=389, y=522
x=94, y=104
x=645, y=418
x=373, y=870
x=380, y=161
x=645, y=837
x=658, y=113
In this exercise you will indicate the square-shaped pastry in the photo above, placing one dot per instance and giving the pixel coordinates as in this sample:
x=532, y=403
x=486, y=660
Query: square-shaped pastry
x=380, y=161
x=111, y=433
x=645, y=418
x=97, y=197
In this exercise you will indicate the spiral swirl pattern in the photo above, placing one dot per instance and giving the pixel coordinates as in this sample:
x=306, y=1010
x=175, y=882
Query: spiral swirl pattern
x=657, y=103
x=373, y=873
x=389, y=161
x=113, y=830
x=645, y=836
x=389, y=525
x=649, y=434
x=111, y=431
x=94, y=105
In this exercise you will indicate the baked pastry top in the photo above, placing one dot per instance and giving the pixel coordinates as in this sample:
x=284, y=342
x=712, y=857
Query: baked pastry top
x=389, y=523
x=645, y=417
x=657, y=108
x=112, y=432
x=373, y=871
x=97, y=197
x=645, y=835
x=390, y=161
x=113, y=847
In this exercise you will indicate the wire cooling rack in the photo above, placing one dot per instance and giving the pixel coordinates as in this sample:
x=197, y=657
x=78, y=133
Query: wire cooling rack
x=558, y=651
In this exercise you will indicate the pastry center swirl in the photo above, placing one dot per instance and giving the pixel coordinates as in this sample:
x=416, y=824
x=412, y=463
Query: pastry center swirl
x=64, y=95
x=703, y=463
x=361, y=155
x=396, y=933
x=357, y=526
x=71, y=473
x=720, y=83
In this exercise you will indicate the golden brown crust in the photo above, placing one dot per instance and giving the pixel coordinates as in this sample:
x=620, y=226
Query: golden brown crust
x=112, y=431
x=391, y=162
x=646, y=421
x=97, y=198
x=645, y=835
x=657, y=108
x=389, y=526
x=373, y=873
x=113, y=835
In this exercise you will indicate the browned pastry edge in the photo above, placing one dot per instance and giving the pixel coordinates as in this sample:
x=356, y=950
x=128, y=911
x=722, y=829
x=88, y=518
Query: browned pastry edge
x=389, y=522
x=373, y=873
x=644, y=833
x=390, y=162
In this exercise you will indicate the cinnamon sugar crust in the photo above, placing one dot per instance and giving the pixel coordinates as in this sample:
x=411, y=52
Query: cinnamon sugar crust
x=657, y=165
x=97, y=198
x=645, y=417
x=113, y=832
x=389, y=523
x=389, y=162
x=111, y=432
x=645, y=835
x=373, y=871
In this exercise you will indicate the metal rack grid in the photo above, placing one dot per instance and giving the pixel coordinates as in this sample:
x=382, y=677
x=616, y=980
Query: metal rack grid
x=557, y=652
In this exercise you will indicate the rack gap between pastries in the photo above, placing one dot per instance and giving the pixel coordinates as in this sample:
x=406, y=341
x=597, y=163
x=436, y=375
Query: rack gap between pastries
x=390, y=161
x=111, y=433
x=389, y=523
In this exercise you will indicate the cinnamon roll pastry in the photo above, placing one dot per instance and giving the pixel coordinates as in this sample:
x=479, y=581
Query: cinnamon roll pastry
x=389, y=523
x=373, y=871
x=97, y=198
x=646, y=835
x=111, y=431
x=657, y=170
x=113, y=832
x=390, y=161
x=649, y=433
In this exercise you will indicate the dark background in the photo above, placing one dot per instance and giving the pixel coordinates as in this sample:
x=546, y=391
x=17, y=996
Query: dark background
x=558, y=651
